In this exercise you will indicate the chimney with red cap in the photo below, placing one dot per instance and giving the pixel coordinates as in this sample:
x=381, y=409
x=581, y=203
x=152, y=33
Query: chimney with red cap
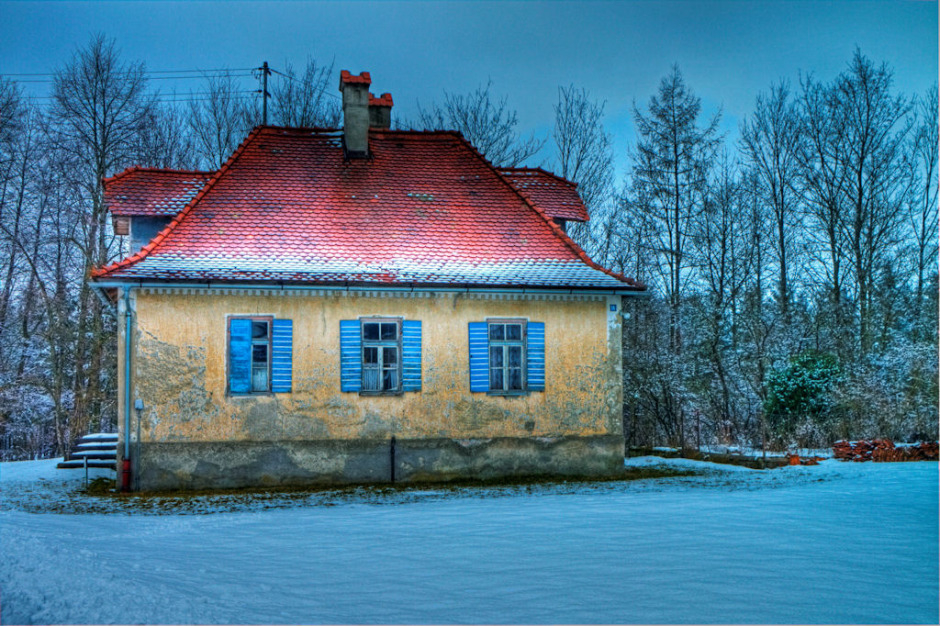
x=380, y=111
x=355, y=91
x=361, y=111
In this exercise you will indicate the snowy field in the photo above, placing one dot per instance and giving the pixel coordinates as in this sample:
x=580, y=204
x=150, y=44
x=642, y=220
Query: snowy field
x=835, y=543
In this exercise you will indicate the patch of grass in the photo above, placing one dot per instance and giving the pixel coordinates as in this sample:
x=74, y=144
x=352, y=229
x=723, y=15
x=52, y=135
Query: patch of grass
x=100, y=498
x=644, y=473
x=753, y=462
x=302, y=491
x=100, y=486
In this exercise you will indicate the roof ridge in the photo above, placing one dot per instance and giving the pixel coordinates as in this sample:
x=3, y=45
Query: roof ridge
x=415, y=131
x=542, y=170
x=140, y=168
x=300, y=129
x=146, y=250
x=578, y=251
x=372, y=130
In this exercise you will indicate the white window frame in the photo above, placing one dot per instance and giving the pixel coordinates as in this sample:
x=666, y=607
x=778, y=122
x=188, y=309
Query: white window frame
x=504, y=345
x=380, y=345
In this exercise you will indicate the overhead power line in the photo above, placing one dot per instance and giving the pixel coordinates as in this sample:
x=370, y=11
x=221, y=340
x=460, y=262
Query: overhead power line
x=216, y=70
x=300, y=82
x=260, y=73
x=201, y=76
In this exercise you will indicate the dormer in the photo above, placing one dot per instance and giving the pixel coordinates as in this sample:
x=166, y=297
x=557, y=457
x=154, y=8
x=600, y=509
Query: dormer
x=556, y=196
x=142, y=201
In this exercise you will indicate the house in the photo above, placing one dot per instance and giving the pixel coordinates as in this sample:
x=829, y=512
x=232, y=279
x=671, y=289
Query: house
x=360, y=305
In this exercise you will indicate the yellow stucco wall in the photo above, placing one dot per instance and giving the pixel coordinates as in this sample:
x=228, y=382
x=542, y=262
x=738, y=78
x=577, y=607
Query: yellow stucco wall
x=179, y=370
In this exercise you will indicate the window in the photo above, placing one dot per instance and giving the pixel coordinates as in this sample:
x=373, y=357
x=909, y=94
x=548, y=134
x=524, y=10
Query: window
x=506, y=350
x=380, y=355
x=507, y=356
x=259, y=355
x=381, y=349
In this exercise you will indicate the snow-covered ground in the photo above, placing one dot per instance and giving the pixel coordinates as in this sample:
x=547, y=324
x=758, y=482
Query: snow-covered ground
x=834, y=543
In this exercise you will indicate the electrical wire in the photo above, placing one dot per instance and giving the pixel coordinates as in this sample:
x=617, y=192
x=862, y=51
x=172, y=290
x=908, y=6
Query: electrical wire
x=242, y=72
x=299, y=82
x=221, y=70
x=201, y=76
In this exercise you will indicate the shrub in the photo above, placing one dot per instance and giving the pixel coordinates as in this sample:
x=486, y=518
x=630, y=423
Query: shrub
x=800, y=399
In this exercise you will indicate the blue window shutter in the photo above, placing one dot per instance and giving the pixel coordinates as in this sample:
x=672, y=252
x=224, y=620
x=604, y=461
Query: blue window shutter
x=282, y=333
x=411, y=355
x=239, y=356
x=350, y=356
x=535, y=356
x=479, y=347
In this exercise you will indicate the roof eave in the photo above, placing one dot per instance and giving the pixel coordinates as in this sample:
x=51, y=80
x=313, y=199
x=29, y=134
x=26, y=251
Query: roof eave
x=351, y=286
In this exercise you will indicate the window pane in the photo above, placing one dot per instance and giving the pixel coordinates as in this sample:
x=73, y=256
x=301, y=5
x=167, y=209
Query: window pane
x=370, y=356
x=370, y=379
x=515, y=379
x=370, y=332
x=390, y=356
x=496, y=379
x=259, y=378
x=390, y=380
x=515, y=356
x=389, y=331
x=259, y=330
x=259, y=354
x=496, y=332
x=514, y=332
x=496, y=356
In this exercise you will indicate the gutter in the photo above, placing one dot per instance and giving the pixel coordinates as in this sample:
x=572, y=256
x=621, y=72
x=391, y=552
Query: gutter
x=360, y=288
x=128, y=330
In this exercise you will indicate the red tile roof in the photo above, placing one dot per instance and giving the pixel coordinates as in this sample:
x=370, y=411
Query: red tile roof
x=384, y=101
x=553, y=194
x=142, y=191
x=425, y=209
x=346, y=77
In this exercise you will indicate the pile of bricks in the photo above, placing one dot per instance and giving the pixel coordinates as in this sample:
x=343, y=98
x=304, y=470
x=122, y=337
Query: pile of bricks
x=796, y=459
x=884, y=450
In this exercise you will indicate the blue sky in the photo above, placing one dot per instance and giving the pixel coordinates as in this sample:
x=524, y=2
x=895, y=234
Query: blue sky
x=728, y=51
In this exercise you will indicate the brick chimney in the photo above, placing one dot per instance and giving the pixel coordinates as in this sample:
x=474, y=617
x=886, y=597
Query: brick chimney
x=355, y=90
x=380, y=111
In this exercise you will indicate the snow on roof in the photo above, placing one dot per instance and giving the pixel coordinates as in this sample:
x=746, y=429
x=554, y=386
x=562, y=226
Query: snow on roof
x=152, y=192
x=426, y=208
x=556, y=196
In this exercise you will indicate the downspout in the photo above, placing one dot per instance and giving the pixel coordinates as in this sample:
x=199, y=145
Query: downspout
x=128, y=329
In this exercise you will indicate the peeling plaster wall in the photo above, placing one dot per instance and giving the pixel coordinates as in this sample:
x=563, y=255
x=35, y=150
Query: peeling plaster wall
x=179, y=371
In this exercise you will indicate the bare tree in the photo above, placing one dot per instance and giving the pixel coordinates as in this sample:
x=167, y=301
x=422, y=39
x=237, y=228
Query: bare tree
x=670, y=172
x=823, y=182
x=219, y=119
x=38, y=335
x=923, y=218
x=165, y=140
x=100, y=106
x=723, y=257
x=17, y=141
x=755, y=333
x=770, y=140
x=10, y=104
x=305, y=101
x=585, y=156
x=876, y=125
x=487, y=124
x=10, y=144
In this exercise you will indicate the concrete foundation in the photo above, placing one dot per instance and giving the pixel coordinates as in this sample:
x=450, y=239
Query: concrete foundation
x=221, y=465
